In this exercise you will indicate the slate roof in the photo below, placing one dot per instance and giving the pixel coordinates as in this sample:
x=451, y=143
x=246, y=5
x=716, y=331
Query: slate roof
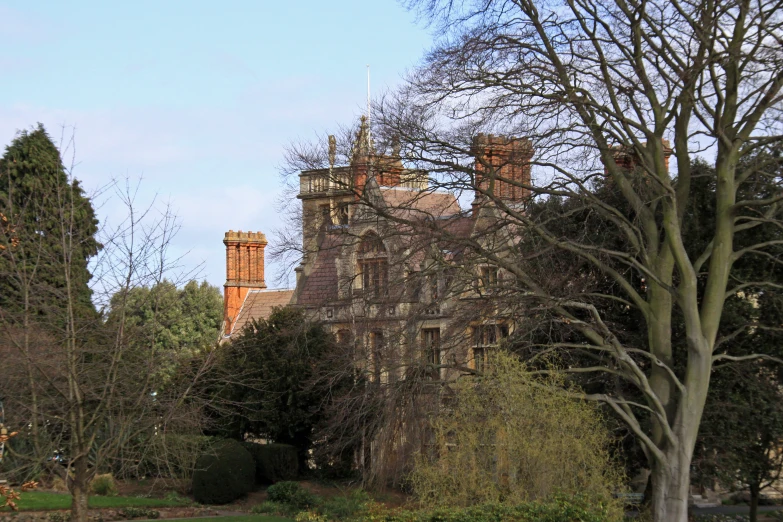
x=258, y=305
x=321, y=285
x=420, y=204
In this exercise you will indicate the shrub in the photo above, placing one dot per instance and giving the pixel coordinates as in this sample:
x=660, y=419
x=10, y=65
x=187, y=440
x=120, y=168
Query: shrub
x=556, y=509
x=58, y=485
x=344, y=507
x=137, y=512
x=223, y=474
x=58, y=516
x=274, y=462
x=292, y=494
x=513, y=439
x=274, y=508
x=104, y=485
x=170, y=455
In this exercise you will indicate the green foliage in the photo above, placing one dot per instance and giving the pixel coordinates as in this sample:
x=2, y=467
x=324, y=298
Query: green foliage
x=556, y=509
x=270, y=368
x=136, y=512
x=175, y=323
x=39, y=207
x=223, y=474
x=343, y=507
x=104, y=485
x=510, y=437
x=170, y=455
x=292, y=494
x=274, y=462
x=275, y=508
x=58, y=516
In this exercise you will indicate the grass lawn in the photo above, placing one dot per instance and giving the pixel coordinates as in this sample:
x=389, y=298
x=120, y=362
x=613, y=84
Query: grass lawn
x=44, y=500
x=243, y=518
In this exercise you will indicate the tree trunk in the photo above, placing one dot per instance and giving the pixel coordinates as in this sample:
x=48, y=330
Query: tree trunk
x=79, y=486
x=755, y=493
x=670, y=489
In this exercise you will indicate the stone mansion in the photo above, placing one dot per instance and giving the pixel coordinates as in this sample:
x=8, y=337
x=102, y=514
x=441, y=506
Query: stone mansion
x=395, y=293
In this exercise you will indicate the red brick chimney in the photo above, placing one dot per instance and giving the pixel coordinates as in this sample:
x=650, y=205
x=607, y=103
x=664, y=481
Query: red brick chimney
x=626, y=158
x=503, y=157
x=244, y=271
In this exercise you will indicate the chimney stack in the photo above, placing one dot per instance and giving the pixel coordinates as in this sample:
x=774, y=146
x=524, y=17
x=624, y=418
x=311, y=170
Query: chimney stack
x=244, y=271
x=503, y=157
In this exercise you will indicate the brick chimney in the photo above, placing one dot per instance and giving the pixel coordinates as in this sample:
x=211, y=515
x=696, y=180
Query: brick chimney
x=503, y=157
x=626, y=158
x=244, y=271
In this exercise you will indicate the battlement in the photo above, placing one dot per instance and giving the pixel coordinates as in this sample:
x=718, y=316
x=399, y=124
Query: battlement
x=244, y=237
x=496, y=144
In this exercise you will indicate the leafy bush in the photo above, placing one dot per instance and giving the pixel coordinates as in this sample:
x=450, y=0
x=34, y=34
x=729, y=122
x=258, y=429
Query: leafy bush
x=169, y=455
x=274, y=462
x=292, y=494
x=344, y=507
x=274, y=508
x=223, y=474
x=104, y=485
x=556, y=509
x=138, y=512
x=513, y=440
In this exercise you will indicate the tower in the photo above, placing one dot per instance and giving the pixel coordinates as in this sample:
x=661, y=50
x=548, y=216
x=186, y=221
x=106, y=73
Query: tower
x=244, y=271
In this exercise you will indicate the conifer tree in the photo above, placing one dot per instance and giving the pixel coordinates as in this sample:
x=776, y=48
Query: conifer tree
x=35, y=193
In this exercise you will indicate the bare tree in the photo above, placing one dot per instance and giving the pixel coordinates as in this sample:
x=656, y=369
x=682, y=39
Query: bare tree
x=79, y=384
x=622, y=95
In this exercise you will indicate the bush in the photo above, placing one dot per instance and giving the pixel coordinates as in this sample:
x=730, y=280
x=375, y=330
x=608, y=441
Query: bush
x=59, y=516
x=344, y=507
x=169, y=455
x=555, y=509
x=274, y=508
x=223, y=474
x=104, y=485
x=292, y=494
x=514, y=438
x=137, y=512
x=274, y=462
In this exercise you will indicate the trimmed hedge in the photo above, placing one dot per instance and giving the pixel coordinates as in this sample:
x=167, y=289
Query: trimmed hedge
x=274, y=462
x=223, y=474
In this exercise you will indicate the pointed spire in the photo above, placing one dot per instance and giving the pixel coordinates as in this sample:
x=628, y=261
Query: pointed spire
x=362, y=145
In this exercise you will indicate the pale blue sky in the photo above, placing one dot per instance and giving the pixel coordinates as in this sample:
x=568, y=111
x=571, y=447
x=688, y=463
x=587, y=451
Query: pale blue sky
x=200, y=98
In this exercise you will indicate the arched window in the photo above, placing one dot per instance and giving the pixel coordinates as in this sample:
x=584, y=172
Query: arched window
x=373, y=265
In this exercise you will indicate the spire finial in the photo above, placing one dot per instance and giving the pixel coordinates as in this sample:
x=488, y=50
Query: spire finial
x=369, y=139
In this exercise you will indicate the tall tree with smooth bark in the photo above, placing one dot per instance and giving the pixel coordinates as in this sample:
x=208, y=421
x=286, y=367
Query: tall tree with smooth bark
x=626, y=93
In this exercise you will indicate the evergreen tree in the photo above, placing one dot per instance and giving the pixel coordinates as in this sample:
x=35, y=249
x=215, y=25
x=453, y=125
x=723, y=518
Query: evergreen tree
x=49, y=226
x=174, y=323
x=270, y=375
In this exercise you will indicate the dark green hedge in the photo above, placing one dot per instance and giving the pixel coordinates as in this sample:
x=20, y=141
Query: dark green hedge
x=274, y=462
x=224, y=473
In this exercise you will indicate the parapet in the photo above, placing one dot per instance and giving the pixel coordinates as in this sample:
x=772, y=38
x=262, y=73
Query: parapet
x=244, y=237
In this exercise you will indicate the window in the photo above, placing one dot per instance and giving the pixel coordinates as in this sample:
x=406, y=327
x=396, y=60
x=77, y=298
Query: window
x=413, y=285
x=342, y=214
x=434, y=294
x=326, y=214
x=479, y=359
x=377, y=346
x=488, y=278
x=373, y=265
x=449, y=275
x=431, y=342
x=485, y=337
